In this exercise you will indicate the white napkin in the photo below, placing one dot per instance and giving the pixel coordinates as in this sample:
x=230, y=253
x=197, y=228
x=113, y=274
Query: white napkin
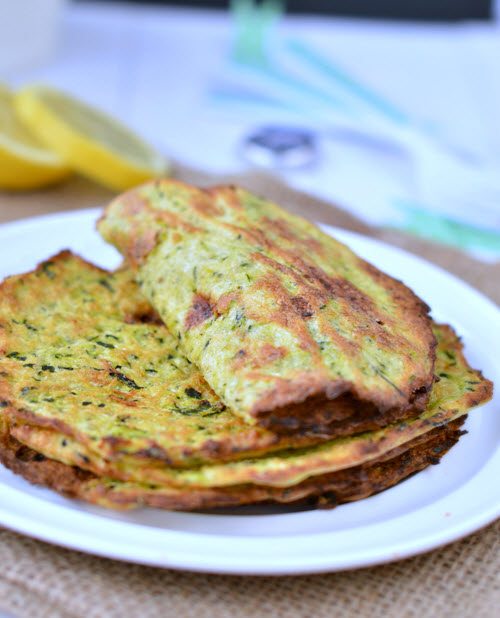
x=375, y=159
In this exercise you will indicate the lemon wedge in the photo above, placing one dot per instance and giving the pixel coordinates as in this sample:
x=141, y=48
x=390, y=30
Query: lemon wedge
x=89, y=141
x=25, y=163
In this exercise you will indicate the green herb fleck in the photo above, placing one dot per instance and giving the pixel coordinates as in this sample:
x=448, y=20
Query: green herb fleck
x=106, y=284
x=126, y=380
x=192, y=392
x=204, y=405
x=16, y=355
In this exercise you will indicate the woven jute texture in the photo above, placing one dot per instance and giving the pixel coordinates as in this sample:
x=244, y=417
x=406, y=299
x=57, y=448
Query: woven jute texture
x=461, y=580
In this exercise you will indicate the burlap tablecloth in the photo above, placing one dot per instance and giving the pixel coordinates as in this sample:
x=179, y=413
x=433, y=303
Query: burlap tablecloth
x=461, y=580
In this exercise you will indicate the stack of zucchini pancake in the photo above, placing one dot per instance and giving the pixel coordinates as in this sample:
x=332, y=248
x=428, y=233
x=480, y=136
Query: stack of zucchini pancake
x=238, y=356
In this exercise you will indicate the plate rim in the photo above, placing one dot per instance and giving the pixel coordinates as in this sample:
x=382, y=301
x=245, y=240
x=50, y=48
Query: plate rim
x=457, y=531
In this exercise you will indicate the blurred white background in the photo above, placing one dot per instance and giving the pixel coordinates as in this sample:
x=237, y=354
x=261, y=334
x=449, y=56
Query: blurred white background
x=192, y=83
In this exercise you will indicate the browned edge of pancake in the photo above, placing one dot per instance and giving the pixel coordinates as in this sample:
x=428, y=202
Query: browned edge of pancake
x=323, y=491
x=342, y=416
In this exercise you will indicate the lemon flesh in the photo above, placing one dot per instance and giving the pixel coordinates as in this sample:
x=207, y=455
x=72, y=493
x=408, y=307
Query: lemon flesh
x=25, y=163
x=89, y=141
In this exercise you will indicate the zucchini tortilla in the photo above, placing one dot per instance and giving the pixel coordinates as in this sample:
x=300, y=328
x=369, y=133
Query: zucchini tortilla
x=288, y=326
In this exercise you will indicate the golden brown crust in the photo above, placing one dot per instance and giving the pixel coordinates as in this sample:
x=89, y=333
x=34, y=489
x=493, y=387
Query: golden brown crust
x=326, y=490
x=343, y=416
x=39, y=470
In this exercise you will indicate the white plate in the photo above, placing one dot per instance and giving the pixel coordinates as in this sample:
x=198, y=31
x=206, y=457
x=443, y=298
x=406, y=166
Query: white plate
x=439, y=505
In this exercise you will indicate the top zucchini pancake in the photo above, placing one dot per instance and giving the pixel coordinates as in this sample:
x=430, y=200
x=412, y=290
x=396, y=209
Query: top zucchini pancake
x=289, y=327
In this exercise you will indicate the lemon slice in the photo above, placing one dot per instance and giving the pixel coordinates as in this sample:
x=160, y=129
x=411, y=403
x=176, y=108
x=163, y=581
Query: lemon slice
x=24, y=162
x=90, y=141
